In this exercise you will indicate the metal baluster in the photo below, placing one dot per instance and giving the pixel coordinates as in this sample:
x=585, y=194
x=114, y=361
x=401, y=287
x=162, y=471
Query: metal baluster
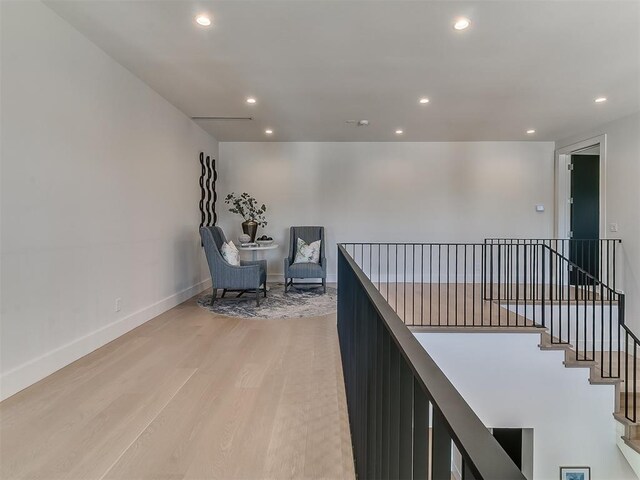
x=387, y=272
x=396, y=278
x=441, y=449
x=420, y=433
x=406, y=421
x=465, y=286
x=430, y=284
x=455, y=301
x=448, y=282
x=473, y=285
x=439, y=284
x=404, y=283
x=422, y=284
x=626, y=375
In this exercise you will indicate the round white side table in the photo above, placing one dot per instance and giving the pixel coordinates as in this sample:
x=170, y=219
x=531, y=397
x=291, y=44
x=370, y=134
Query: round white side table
x=257, y=248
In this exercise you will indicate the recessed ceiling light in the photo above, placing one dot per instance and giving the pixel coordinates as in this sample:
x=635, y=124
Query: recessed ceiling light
x=461, y=23
x=531, y=131
x=399, y=132
x=600, y=99
x=268, y=131
x=251, y=100
x=203, y=20
x=424, y=100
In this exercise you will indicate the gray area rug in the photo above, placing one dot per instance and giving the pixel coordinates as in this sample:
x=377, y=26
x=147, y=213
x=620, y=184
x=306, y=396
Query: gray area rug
x=297, y=303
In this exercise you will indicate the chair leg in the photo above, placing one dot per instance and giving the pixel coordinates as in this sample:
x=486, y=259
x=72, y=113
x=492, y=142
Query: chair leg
x=223, y=292
x=265, y=289
x=286, y=284
x=324, y=285
x=258, y=296
x=214, y=293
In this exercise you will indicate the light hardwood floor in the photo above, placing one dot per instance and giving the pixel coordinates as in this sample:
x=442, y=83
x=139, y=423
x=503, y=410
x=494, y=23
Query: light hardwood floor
x=188, y=395
x=450, y=305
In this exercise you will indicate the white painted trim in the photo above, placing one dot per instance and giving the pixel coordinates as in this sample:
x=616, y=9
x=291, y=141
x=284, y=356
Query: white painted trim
x=38, y=368
x=563, y=184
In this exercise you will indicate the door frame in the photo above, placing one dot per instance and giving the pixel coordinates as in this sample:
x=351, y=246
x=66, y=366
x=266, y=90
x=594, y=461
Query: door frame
x=563, y=185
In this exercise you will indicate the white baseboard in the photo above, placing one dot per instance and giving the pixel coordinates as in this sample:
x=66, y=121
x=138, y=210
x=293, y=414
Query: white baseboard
x=38, y=368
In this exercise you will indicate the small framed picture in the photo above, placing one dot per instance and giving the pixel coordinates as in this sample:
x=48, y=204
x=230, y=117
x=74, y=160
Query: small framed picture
x=575, y=473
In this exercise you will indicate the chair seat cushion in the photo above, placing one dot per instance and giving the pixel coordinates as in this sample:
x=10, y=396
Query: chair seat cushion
x=306, y=270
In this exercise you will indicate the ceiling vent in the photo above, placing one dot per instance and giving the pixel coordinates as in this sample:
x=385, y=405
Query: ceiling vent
x=222, y=118
x=359, y=123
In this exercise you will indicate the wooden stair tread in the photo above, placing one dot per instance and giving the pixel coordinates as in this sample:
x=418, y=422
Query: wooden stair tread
x=547, y=342
x=462, y=329
x=632, y=443
x=604, y=381
x=625, y=421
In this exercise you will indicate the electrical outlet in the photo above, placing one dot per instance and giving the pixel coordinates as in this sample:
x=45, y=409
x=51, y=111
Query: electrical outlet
x=118, y=304
x=613, y=227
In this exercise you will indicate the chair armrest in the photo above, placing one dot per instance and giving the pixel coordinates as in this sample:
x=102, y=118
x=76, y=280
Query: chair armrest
x=242, y=268
x=241, y=276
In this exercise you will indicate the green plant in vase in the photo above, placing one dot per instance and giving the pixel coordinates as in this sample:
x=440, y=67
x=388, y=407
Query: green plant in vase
x=247, y=207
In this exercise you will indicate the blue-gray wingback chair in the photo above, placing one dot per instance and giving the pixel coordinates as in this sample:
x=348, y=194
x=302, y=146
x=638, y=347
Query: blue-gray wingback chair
x=305, y=270
x=248, y=276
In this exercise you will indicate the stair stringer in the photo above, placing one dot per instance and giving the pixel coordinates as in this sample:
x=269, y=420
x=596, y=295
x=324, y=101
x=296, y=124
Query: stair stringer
x=631, y=455
x=628, y=433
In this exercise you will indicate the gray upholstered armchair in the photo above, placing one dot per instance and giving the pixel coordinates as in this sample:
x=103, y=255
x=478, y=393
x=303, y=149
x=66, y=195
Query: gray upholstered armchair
x=305, y=270
x=248, y=276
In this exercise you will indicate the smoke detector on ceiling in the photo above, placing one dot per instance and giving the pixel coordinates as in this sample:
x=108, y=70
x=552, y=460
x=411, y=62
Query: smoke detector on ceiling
x=359, y=123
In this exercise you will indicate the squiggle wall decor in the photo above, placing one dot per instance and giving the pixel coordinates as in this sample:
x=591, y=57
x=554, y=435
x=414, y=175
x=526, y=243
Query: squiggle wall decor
x=208, y=194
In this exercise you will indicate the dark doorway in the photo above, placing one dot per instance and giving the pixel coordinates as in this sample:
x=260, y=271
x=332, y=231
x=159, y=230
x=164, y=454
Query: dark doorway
x=585, y=214
x=510, y=439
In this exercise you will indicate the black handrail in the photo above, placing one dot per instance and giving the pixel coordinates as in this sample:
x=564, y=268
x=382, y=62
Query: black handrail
x=390, y=381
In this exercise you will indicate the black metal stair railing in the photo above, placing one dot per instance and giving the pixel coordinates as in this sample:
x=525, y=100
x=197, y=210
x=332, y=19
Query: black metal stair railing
x=446, y=285
x=404, y=414
x=595, y=256
x=577, y=307
x=509, y=283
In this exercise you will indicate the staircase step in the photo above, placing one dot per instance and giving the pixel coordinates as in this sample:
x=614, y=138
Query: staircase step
x=632, y=443
x=619, y=416
x=572, y=359
x=547, y=342
x=596, y=379
x=555, y=346
x=630, y=397
x=469, y=329
x=581, y=364
x=633, y=432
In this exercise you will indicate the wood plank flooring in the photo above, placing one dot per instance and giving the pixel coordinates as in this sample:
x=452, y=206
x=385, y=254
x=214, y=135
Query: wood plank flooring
x=451, y=305
x=188, y=395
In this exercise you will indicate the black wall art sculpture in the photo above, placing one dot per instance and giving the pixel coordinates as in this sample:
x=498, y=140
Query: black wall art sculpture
x=208, y=195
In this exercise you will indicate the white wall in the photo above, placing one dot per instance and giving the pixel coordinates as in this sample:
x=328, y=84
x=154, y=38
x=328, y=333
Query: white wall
x=622, y=200
x=392, y=191
x=99, y=197
x=572, y=420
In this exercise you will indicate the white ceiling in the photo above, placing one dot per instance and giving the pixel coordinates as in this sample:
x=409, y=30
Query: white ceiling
x=315, y=64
